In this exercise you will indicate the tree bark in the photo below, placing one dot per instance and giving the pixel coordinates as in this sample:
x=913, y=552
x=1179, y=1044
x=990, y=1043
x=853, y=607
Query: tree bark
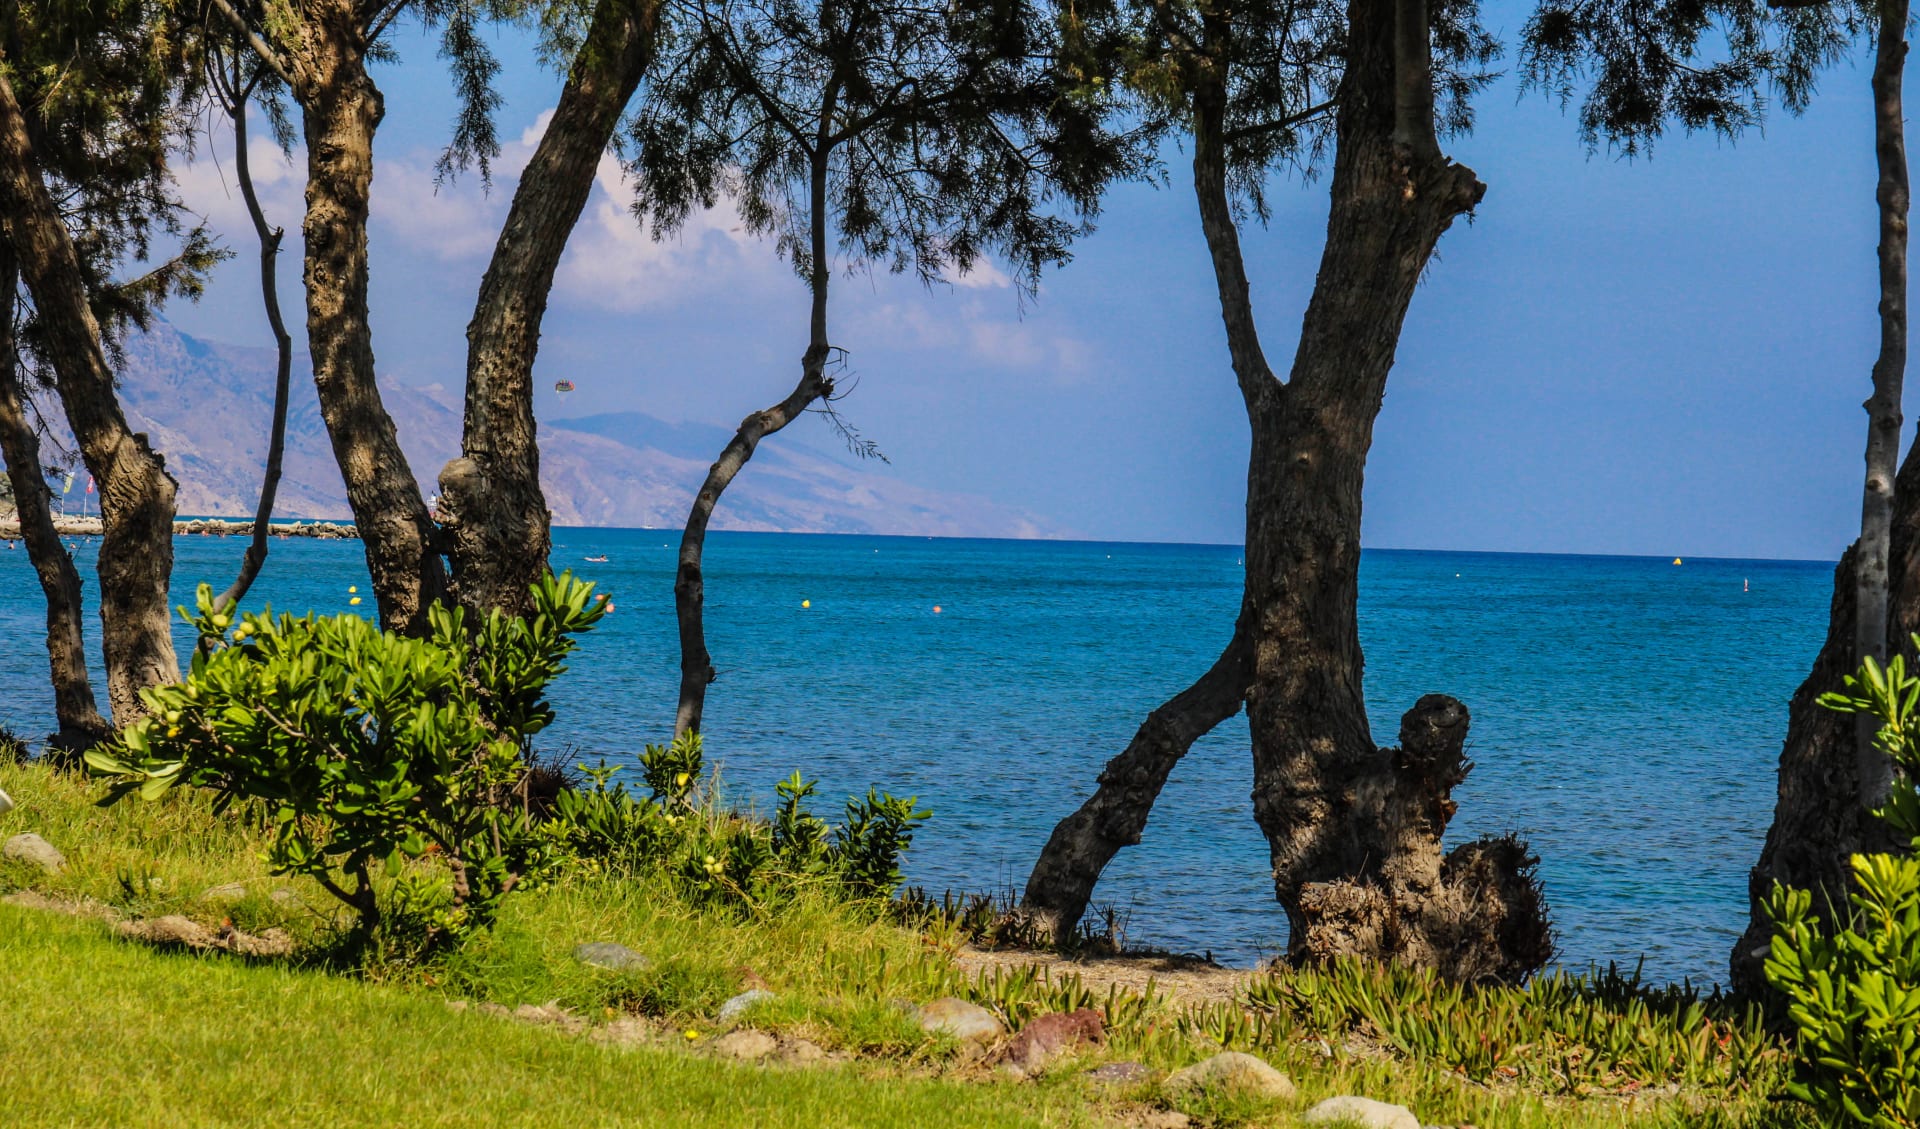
x=1874, y=774
x=493, y=512
x=341, y=107
x=1083, y=843
x=256, y=555
x=136, y=492
x=689, y=582
x=1830, y=776
x=79, y=725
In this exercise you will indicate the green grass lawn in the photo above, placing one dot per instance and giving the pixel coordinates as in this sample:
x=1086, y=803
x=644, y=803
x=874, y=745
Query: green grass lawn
x=99, y=1030
x=105, y=1032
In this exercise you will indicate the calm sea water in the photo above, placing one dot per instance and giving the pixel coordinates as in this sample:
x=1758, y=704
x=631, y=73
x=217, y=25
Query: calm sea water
x=1627, y=713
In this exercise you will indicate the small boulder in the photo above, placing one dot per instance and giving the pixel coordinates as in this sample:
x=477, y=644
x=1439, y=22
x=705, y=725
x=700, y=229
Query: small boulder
x=611, y=956
x=740, y=1004
x=231, y=892
x=1120, y=1073
x=747, y=1046
x=34, y=851
x=1047, y=1037
x=1232, y=1070
x=1363, y=1112
x=969, y=1023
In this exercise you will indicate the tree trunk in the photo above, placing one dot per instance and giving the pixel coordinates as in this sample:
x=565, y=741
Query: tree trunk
x=79, y=724
x=1083, y=843
x=1830, y=776
x=495, y=516
x=341, y=108
x=256, y=555
x=136, y=492
x=1354, y=830
x=689, y=584
x=1875, y=772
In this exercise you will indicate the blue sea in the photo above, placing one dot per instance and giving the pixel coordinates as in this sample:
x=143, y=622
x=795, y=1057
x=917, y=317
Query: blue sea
x=1627, y=712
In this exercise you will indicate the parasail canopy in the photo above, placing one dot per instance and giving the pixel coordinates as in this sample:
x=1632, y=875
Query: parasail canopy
x=563, y=386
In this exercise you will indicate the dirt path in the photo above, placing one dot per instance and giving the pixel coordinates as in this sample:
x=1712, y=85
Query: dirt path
x=1183, y=980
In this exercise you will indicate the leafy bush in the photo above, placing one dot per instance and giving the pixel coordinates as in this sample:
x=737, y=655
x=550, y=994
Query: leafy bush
x=365, y=748
x=683, y=830
x=1854, y=997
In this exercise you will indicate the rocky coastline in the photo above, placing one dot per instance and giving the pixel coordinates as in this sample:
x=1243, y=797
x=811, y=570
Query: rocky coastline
x=197, y=527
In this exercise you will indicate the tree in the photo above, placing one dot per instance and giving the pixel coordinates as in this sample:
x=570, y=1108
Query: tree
x=87, y=116
x=233, y=86
x=916, y=136
x=494, y=515
x=1706, y=67
x=1354, y=831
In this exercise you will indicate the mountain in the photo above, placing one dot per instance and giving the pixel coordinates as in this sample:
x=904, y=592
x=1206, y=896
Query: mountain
x=206, y=406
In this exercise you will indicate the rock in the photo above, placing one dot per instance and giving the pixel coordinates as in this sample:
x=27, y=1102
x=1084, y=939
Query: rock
x=172, y=929
x=34, y=851
x=800, y=1052
x=740, y=1004
x=1231, y=1070
x=970, y=1023
x=1120, y=1073
x=747, y=1046
x=231, y=892
x=623, y=1032
x=1363, y=1112
x=610, y=956
x=1049, y=1036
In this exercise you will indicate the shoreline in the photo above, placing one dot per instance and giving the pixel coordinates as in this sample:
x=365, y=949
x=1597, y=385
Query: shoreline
x=199, y=527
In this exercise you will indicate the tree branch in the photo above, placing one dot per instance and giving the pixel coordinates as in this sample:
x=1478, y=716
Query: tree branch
x=259, y=45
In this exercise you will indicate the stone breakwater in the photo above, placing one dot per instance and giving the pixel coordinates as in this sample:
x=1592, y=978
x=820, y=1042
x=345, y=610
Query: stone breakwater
x=197, y=527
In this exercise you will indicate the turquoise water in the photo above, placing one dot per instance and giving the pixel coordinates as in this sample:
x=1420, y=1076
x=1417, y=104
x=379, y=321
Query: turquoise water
x=1627, y=713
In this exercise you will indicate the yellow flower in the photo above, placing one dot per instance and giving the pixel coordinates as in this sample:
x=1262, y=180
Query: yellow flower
x=680, y=781
x=692, y=1034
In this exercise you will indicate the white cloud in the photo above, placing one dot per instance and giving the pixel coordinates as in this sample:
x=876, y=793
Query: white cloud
x=997, y=339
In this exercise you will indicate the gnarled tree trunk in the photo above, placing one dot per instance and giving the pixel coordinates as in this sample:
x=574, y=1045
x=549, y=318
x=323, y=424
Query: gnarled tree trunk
x=1831, y=776
x=136, y=492
x=78, y=720
x=493, y=512
x=1354, y=831
x=340, y=109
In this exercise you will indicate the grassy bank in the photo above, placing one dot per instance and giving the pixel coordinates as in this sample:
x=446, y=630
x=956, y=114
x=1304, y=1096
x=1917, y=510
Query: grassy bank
x=106, y=1030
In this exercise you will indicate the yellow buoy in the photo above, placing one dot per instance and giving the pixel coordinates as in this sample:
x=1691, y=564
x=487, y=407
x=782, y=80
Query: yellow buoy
x=352, y=588
x=806, y=603
x=1676, y=560
x=355, y=600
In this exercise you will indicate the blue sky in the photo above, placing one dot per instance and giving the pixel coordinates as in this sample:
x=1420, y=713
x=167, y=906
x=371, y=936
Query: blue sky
x=1665, y=356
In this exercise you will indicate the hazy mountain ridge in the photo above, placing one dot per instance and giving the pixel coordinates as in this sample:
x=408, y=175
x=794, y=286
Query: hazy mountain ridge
x=207, y=407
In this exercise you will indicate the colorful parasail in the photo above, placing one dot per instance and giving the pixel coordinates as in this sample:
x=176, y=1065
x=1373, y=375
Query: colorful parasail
x=563, y=386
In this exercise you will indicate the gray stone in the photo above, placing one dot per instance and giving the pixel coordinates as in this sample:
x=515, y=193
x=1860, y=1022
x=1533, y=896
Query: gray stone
x=1120, y=1073
x=231, y=892
x=610, y=956
x=1231, y=1070
x=34, y=851
x=1363, y=1112
x=740, y=1004
x=747, y=1046
x=970, y=1023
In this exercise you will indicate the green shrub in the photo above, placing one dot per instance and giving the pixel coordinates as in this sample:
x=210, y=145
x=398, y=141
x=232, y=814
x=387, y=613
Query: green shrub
x=719, y=855
x=1854, y=997
x=367, y=749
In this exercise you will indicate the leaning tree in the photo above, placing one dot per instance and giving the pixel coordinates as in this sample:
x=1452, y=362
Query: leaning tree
x=89, y=114
x=918, y=137
x=1354, y=830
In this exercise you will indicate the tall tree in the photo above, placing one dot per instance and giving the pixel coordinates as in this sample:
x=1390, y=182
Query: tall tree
x=90, y=118
x=234, y=86
x=916, y=136
x=1645, y=69
x=1354, y=831
x=494, y=514
x=320, y=50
